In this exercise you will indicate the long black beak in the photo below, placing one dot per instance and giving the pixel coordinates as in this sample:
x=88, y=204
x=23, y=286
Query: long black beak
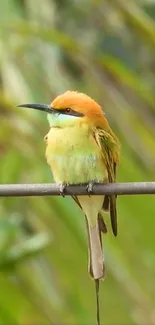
x=40, y=107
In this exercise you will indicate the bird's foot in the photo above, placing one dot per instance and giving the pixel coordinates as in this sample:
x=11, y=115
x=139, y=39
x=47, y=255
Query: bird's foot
x=90, y=187
x=62, y=189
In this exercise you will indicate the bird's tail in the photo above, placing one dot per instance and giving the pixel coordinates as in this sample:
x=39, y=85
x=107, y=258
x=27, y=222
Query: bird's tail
x=96, y=265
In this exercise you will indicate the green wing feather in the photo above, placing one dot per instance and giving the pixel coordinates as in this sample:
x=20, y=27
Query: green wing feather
x=110, y=147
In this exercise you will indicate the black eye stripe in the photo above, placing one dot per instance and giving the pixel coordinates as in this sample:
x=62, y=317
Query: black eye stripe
x=69, y=111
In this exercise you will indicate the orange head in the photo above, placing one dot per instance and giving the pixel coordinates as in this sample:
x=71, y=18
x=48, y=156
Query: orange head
x=82, y=104
x=72, y=107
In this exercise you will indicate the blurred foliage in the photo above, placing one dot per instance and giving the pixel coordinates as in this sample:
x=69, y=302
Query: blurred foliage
x=106, y=49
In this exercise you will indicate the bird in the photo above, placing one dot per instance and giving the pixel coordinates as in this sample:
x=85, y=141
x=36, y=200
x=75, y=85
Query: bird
x=81, y=148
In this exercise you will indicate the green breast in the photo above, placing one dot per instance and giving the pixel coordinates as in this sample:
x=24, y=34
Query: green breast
x=74, y=156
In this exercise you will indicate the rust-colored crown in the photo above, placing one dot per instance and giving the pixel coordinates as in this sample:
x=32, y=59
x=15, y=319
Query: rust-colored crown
x=82, y=103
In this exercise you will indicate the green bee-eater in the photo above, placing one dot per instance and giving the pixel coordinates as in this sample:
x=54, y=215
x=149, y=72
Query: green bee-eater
x=82, y=148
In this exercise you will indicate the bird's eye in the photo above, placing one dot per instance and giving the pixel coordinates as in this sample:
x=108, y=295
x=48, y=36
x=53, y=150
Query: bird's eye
x=68, y=110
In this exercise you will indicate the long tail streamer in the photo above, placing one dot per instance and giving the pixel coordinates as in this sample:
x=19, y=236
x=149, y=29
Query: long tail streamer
x=97, y=283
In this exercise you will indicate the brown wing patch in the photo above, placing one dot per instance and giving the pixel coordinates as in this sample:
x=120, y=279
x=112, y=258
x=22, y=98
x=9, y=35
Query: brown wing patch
x=110, y=147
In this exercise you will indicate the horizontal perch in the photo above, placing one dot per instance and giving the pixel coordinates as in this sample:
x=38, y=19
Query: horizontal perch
x=54, y=189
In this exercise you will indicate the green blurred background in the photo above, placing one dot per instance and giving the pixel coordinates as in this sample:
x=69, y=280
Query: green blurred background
x=105, y=49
